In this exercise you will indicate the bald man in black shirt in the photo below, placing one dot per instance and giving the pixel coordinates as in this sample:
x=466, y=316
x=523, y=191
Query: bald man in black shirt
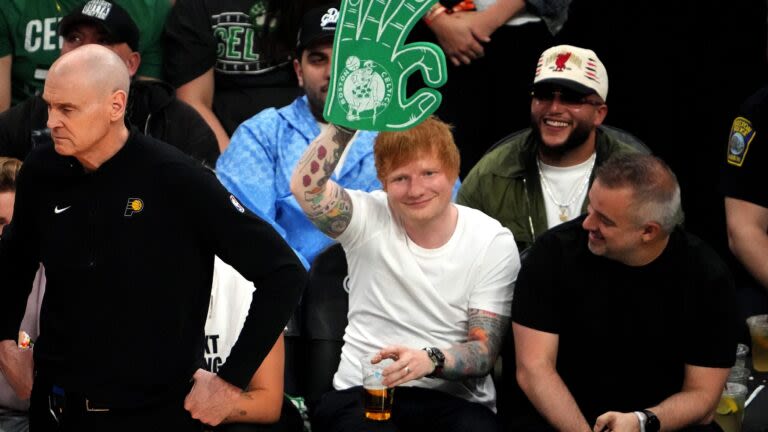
x=127, y=231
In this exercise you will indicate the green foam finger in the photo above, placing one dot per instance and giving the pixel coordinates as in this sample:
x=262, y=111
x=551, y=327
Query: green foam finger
x=371, y=66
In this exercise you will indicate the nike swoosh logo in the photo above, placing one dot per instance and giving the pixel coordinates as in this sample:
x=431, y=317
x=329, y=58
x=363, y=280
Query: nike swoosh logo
x=58, y=210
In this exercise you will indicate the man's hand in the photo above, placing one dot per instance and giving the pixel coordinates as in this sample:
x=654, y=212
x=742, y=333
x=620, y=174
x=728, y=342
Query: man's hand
x=459, y=40
x=371, y=66
x=410, y=364
x=211, y=398
x=16, y=365
x=617, y=422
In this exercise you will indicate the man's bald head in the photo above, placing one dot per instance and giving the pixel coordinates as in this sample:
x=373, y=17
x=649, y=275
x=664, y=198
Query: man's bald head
x=94, y=66
x=87, y=95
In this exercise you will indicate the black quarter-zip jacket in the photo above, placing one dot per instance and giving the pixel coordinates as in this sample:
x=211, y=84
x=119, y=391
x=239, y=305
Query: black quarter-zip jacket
x=128, y=251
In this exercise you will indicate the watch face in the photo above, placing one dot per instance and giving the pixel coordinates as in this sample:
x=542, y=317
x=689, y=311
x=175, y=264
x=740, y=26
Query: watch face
x=437, y=356
x=652, y=423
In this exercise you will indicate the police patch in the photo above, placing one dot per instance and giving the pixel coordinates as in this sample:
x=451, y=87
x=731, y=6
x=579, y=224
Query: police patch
x=741, y=136
x=236, y=203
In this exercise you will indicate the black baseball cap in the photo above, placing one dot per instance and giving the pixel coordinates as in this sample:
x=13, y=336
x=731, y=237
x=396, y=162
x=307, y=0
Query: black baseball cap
x=110, y=16
x=319, y=23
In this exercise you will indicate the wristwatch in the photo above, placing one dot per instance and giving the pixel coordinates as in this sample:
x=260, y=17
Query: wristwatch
x=652, y=423
x=438, y=359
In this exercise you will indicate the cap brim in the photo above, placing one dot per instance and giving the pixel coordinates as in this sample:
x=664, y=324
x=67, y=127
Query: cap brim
x=315, y=40
x=69, y=23
x=569, y=84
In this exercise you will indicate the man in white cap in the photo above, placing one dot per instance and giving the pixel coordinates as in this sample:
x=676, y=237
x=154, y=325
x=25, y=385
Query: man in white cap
x=537, y=178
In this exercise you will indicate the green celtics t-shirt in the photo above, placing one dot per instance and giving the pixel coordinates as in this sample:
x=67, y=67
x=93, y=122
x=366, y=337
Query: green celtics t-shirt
x=28, y=32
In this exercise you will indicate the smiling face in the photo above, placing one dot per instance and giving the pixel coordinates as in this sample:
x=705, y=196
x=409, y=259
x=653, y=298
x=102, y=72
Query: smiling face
x=419, y=191
x=613, y=230
x=565, y=120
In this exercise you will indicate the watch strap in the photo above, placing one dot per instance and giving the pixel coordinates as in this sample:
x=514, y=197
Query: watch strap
x=652, y=423
x=641, y=418
x=438, y=360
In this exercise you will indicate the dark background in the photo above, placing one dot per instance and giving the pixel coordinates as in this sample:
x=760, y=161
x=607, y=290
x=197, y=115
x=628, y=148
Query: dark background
x=678, y=72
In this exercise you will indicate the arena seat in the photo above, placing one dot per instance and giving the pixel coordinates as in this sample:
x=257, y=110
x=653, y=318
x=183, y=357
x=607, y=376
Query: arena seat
x=324, y=318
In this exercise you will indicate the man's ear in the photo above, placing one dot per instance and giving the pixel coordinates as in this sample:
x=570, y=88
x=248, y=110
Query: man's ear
x=118, y=106
x=651, y=231
x=299, y=72
x=133, y=62
x=602, y=112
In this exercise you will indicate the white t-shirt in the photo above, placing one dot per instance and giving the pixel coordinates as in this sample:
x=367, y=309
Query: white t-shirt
x=402, y=294
x=231, y=296
x=519, y=19
x=567, y=184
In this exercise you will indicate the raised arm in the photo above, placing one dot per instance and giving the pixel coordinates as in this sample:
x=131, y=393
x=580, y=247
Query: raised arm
x=325, y=203
x=694, y=404
x=536, y=356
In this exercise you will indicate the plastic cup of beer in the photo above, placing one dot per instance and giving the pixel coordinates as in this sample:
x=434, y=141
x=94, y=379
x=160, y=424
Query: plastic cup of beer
x=758, y=329
x=730, y=410
x=739, y=375
x=741, y=355
x=378, y=397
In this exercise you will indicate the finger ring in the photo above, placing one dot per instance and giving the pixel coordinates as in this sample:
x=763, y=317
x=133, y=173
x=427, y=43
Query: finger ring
x=407, y=370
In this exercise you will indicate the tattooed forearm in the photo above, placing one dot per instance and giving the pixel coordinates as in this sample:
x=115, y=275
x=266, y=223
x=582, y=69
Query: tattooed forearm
x=476, y=357
x=326, y=204
x=332, y=216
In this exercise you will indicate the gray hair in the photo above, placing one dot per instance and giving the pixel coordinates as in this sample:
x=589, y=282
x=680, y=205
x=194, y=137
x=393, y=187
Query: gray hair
x=655, y=190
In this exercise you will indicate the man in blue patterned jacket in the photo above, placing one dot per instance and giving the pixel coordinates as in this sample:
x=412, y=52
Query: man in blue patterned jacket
x=257, y=165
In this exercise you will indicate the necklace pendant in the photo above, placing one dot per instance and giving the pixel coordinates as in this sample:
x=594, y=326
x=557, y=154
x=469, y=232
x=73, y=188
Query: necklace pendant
x=563, y=214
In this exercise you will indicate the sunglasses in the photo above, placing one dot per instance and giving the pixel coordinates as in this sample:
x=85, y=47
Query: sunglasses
x=568, y=98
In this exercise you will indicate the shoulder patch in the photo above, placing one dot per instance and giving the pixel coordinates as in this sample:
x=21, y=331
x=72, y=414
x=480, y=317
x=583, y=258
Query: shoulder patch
x=236, y=203
x=741, y=136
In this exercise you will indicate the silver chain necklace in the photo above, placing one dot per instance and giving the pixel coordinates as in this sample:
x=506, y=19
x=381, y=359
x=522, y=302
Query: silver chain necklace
x=575, y=192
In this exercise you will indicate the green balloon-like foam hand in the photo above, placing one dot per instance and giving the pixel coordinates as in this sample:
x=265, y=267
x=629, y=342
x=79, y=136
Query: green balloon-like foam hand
x=371, y=66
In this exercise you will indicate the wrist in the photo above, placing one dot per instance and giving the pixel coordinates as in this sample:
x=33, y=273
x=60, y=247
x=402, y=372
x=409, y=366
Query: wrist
x=641, y=418
x=434, y=12
x=346, y=130
x=438, y=361
x=652, y=423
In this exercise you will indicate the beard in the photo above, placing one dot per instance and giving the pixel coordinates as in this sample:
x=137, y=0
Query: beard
x=576, y=139
x=316, y=100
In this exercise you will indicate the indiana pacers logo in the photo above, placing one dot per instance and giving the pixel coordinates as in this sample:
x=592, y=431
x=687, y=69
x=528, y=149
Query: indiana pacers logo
x=365, y=88
x=135, y=205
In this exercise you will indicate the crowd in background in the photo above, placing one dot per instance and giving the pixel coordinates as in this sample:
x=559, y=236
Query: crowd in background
x=239, y=86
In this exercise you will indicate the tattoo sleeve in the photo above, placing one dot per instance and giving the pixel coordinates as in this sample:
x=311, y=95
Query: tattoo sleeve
x=325, y=203
x=477, y=356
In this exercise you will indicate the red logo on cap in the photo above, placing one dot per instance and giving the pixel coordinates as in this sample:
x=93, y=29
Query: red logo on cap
x=561, y=60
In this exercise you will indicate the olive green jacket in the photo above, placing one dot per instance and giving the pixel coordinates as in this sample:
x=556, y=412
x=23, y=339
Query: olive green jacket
x=505, y=183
